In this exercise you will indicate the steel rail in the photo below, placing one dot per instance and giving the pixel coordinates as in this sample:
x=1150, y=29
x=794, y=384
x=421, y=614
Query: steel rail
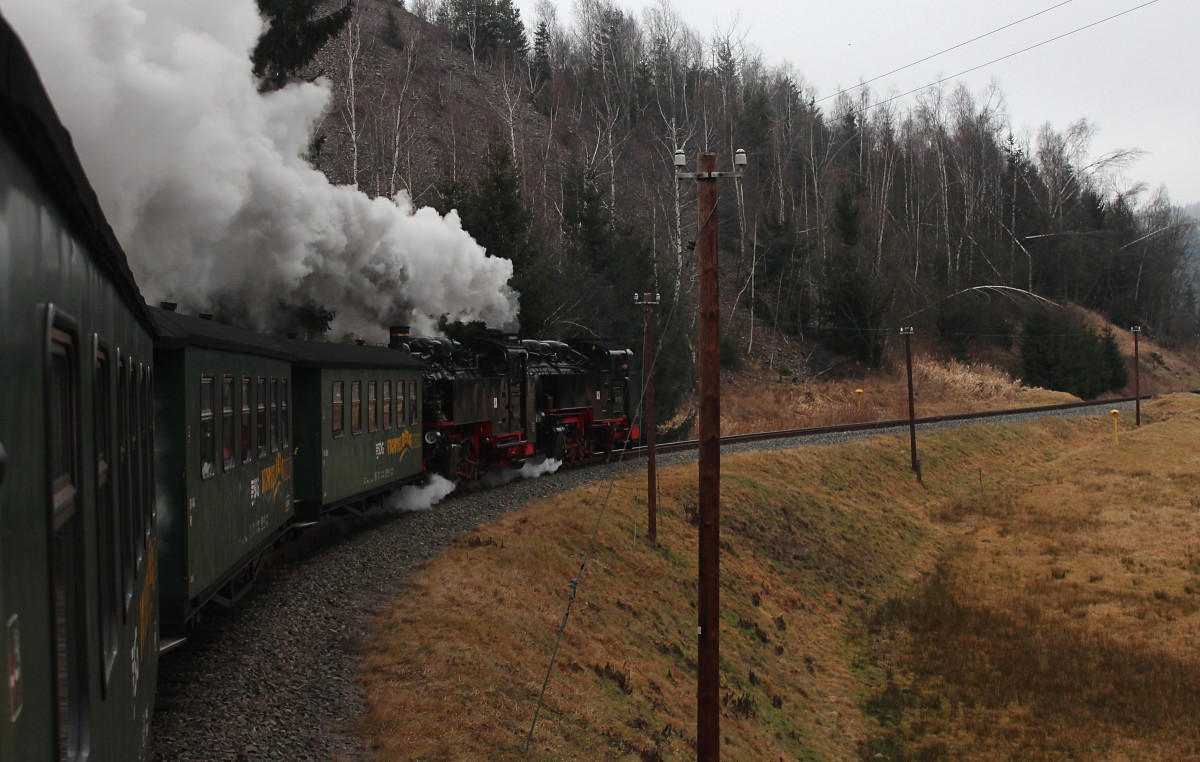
x=843, y=428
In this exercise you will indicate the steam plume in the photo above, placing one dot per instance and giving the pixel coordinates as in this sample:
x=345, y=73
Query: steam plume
x=531, y=469
x=420, y=498
x=203, y=182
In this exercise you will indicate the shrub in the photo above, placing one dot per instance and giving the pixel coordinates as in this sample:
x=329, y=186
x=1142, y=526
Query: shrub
x=1067, y=355
x=730, y=351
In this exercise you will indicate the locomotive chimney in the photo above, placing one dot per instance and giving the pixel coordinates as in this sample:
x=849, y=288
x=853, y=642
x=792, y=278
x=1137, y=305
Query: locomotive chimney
x=398, y=334
x=206, y=316
x=168, y=306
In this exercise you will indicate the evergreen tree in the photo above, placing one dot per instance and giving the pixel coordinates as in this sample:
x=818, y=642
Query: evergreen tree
x=1064, y=354
x=293, y=37
x=509, y=30
x=485, y=27
x=541, y=55
x=494, y=211
x=1118, y=373
x=610, y=261
x=391, y=31
x=855, y=299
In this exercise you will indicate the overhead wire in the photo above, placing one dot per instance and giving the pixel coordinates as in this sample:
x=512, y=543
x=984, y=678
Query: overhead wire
x=940, y=52
x=591, y=544
x=1056, y=38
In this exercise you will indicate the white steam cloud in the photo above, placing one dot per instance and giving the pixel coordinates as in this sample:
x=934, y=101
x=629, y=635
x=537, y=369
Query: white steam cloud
x=531, y=469
x=203, y=182
x=420, y=497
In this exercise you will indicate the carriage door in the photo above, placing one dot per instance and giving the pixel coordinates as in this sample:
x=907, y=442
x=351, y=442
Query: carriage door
x=63, y=442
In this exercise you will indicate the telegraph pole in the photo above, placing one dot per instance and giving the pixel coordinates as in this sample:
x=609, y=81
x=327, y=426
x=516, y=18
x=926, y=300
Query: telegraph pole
x=708, y=678
x=1137, y=385
x=907, y=333
x=651, y=466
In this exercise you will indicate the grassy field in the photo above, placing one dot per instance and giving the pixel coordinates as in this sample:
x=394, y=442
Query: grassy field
x=1035, y=599
x=762, y=402
x=1064, y=618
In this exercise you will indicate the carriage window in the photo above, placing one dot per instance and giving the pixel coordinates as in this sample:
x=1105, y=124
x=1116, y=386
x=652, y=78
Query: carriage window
x=260, y=429
x=227, y=443
x=68, y=574
x=414, y=415
x=356, y=407
x=387, y=404
x=245, y=420
x=339, y=421
x=399, y=404
x=208, y=443
x=274, y=417
x=372, y=407
x=148, y=509
x=136, y=462
x=107, y=526
x=285, y=423
x=124, y=482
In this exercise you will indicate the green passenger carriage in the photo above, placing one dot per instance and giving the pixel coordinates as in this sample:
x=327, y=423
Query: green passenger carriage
x=361, y=438
x=78, y=559
x=224, y=458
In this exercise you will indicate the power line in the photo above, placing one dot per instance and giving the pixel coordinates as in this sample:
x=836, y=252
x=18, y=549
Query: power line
x=940, y=52
x=1002, y=58
x=590, y=547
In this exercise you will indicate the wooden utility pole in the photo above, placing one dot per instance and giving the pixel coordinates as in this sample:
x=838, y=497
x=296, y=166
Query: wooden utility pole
x=708, y=686
x=648, y=304
x=912, y=409
x=1137, y=381
x=708, y=608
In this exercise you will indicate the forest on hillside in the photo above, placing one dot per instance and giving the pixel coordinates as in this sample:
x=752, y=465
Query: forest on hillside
x=553, y=139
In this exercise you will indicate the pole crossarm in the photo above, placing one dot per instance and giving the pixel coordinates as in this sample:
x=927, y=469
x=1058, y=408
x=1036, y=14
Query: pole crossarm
x=707, y=175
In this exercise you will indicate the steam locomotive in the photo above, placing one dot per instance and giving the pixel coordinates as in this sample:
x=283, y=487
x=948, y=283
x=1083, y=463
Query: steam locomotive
x=149, y=459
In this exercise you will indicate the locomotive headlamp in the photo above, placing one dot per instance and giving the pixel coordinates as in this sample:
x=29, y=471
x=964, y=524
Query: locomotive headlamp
x=432, y=436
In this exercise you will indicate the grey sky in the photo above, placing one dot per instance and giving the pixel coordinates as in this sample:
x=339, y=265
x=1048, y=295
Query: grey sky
x=1133, y=77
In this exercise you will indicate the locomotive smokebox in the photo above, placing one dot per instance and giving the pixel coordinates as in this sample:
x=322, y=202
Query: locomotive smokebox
x=399, y=335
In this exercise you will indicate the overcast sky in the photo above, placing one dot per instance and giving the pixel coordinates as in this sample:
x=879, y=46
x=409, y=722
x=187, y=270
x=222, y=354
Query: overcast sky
x=1134, y=77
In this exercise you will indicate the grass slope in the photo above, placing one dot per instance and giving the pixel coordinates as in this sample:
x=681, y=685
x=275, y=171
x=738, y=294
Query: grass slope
x=1062, y=623
x=836, y=569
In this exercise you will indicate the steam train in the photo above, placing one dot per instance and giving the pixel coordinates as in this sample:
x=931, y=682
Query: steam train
x=148, y=459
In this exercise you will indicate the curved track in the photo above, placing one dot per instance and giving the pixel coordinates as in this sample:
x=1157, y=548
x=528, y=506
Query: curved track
x=873, y=427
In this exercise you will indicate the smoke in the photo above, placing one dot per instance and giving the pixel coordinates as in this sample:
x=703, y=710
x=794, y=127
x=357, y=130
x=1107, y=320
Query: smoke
x=532, y=469
x=203, y=182
x=420, y=498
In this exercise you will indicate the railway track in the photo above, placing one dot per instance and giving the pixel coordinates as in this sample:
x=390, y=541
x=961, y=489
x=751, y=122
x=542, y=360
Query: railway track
x=872, y=426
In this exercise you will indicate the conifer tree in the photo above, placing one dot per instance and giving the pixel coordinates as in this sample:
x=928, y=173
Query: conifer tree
x=293, y=37
x=541, y=55
x=494, y=211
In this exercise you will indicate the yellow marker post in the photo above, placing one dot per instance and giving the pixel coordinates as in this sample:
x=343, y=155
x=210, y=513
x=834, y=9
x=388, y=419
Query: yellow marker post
x=858, y=393
x=1115, y=415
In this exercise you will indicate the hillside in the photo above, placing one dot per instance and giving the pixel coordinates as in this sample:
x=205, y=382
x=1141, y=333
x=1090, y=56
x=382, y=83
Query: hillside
x=846, y=225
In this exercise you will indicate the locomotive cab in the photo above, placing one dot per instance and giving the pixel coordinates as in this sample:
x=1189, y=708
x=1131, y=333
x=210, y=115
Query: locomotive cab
x=478, y=411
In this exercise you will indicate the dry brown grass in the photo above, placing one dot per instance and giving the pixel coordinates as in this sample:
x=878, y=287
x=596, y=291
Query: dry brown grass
x=1064, y=625
x=815, y=541
x=757, y=401
x=458, y=664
